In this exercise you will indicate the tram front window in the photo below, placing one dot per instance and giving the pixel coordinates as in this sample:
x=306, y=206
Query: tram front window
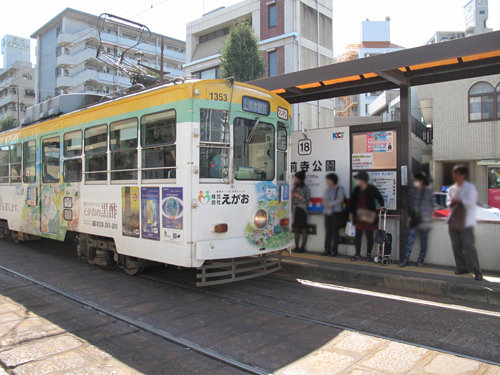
x=214, y=143
x=253, y=150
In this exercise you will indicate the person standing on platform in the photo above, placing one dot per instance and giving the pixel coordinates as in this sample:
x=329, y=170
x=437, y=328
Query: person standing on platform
x=363, y=213
x=334, y=217
x=300, y=200
x=420, y=218
x=462, y=199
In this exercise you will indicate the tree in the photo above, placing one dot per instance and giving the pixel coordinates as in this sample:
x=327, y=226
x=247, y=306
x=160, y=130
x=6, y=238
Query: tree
x=240, y=56
x=7, y=122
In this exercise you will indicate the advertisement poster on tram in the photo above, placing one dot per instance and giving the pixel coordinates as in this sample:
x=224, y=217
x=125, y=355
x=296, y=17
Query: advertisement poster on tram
x=150, y=210
x=318, y=153
x=130, y=211
x=172, y=212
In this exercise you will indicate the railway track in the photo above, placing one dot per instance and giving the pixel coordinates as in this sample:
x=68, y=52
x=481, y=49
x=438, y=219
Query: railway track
x=227, y=360
x=187, y=344
x=341, y=326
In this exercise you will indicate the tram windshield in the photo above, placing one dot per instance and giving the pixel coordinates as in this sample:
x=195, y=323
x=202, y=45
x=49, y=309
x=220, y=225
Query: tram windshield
x=253, y=150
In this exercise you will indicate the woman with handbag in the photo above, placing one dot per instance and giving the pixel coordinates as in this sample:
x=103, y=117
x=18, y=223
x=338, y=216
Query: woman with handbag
x=300, y=200
x=462, y=199
x=334, y=216
x=420, y=218
x=363, y=213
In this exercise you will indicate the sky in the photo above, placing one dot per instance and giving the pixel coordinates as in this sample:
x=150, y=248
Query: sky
x=412, y=22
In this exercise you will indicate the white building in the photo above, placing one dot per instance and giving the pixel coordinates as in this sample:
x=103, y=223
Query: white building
x=16, y=78
x=67, y=48
x=375, y=40
x=293, y=34
x=465, y=116
x=15, y=49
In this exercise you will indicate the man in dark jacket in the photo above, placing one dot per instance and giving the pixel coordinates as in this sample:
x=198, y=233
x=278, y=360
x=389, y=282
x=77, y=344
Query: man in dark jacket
x=364, y=213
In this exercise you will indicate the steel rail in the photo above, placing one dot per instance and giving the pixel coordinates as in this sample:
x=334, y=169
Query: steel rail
x=146, y=327
x=317, y=321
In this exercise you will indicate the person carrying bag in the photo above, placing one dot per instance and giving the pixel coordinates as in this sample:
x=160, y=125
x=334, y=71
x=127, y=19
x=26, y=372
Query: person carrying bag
x=364, y=213
x=462, y=199
x=335, y=218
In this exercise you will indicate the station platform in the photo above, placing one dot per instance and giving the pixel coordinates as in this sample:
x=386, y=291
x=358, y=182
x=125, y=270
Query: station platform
x=430, y=280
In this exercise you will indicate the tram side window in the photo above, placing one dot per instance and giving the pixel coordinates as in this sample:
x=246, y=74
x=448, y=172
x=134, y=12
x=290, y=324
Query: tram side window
x=253, y=150
x=15, y=163
x=4, y=165
x=29, y=161
x=281, y=157
x=50, y=159
x=214, y=143
x=96, y=158
x=158, y=145
x=72, y=152
x=123, y=146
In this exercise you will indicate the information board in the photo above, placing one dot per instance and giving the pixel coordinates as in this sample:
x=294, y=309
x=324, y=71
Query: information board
x=321, y=152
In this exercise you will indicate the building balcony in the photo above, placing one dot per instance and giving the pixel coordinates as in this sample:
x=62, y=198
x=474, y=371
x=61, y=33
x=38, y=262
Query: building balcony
x=63, y=39
x=93, y=76
x=10, y=98
x=64, y=82
x=77, y=58
x=147, y=48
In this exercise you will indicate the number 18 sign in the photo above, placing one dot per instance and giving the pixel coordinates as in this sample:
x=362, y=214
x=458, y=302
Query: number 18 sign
x=305, y=147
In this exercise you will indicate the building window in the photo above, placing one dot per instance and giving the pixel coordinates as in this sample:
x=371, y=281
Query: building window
x=212, y=73
x=271, y=15
x=272, y=63
x=214, y=35
x=482, y=102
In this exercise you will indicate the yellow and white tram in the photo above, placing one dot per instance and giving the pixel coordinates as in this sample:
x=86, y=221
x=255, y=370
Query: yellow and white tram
x=182, y=174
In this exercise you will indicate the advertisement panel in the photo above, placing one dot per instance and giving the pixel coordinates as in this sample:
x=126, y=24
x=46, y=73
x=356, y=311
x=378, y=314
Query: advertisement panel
x=172, y=212
x=150, y=211
x=130, y=211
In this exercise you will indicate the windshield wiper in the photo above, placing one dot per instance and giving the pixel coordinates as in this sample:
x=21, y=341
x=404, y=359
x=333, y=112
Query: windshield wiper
x=254, y=128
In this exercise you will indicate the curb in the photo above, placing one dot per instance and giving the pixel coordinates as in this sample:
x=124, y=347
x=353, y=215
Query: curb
x=427, y=284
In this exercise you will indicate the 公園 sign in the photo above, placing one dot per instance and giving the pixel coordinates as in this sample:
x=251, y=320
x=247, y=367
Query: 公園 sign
x=323, y=151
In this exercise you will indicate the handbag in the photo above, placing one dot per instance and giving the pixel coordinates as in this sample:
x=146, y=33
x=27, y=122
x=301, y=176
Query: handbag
x=456, y=220
x=415, y=219
x=366, y=216
x=350, y=229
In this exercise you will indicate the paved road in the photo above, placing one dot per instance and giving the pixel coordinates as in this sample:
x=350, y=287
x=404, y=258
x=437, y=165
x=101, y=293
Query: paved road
x=272, y=323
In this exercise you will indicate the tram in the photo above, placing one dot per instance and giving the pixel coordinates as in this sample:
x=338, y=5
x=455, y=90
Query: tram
x=191, y=173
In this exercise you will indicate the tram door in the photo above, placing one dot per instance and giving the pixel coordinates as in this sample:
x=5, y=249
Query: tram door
x=50, y=197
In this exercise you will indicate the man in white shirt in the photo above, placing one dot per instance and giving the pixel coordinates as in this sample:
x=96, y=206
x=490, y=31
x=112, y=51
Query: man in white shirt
x=462, y=241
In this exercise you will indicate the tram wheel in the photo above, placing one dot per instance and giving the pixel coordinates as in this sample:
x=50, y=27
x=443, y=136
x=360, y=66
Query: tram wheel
x=91, y=256
x=134, y=271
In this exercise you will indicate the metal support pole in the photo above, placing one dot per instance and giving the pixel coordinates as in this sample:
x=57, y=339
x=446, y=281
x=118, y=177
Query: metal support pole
x=404, y=164
x=161, y=61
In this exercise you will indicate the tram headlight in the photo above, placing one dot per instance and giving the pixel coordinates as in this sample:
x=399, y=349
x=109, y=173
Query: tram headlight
x=260, y=219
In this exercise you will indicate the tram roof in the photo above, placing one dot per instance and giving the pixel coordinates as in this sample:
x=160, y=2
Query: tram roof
x=468, y=57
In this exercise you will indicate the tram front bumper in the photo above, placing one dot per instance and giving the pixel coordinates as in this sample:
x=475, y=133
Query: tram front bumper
x=230, y=248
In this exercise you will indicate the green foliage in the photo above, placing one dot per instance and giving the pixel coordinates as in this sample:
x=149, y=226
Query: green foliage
x=7, y=123
x=240, y=57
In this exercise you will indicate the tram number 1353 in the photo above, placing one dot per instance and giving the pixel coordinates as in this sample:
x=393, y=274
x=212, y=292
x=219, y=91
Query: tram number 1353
x=218, y=96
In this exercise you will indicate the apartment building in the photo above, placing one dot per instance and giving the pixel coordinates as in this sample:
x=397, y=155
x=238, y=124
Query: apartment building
x=16, y=77
x=375, y=40
x=67, y=48
x=465, y=117
x=293, y=35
